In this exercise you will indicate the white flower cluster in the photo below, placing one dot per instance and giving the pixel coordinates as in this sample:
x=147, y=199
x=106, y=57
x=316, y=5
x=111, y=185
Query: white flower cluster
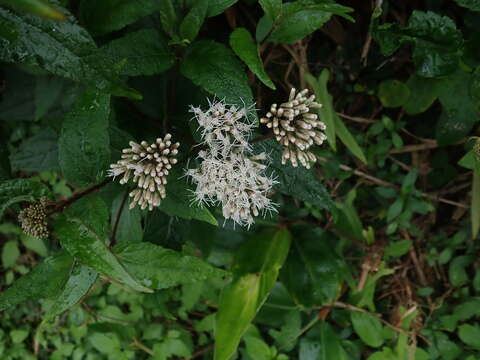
x=229, y=174
x=149, y=164
x=296, y=128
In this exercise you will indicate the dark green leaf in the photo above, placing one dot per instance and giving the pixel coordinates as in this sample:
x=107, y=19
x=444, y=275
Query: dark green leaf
x=216, y=7
x=347, y=138
x=179, y=201
x=10, y=254
x=457, y=273
x=436, y=38
x=80, y=281
x=38, y=153
x=423, y=92
x=272, y=8
x=109, y=15
x=299, y=182
x=313, y=272
x=169, y=18
x=470, y=335
x=18, y=190
x=322, y=343
x=460, y=112
x=393, y=93
x=191, y=23
x=44, y=280
x=246, y=49
x=216, y=69
x=48, y=91
x=84, y=144
x=36, y=7
x=253, y=280
x=129, y=224
x=82, y=236
x=61, y=48
x=160, y=268
x=368, y=327
x=299, y=19
x=143, y=52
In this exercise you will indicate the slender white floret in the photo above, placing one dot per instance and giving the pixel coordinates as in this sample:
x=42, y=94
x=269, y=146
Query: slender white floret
x=229, y=175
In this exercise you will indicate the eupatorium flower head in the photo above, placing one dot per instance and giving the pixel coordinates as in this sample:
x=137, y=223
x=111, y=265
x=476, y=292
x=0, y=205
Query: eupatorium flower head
x=148, y=166
x=34, y=220
x=229, y=175
x=296, y=127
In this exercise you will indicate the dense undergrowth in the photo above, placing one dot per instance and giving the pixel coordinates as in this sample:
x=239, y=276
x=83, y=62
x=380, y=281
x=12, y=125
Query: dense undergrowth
x=372, y=253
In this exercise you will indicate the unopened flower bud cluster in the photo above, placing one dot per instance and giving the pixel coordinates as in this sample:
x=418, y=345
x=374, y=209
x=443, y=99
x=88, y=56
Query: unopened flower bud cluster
x=148, y=166
x=296, y=127
x=33, y=220
x=229, y=175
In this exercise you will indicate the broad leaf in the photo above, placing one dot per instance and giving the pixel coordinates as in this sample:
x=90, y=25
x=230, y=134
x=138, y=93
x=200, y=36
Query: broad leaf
x=38, y=153
x=109, y=15
x=436, y=39
x=18, y=190
x=475, y=203
x=423, y=92
x=80, y=281
x=216, y=7
x=84, y=144
x=255, y=270
x=313, y=273
x=473, y=5
x=81, y=234
x=299, y=19
x=129, y=224
x=460, y=112
x=246, y=49
x=143, y=52
x=272, y=8
x=368, y=327
x=61, y=48
x=322, y=343
x=192, y=22
x=44, y=280
x=160, y=268
x=393, y=93
x=216, y=69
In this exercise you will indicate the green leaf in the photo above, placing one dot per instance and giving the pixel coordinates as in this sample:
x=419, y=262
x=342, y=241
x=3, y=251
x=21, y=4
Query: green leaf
x=169, y=18
x=313, y=273
x=216, y=69
x=216, y=7
x=473, y=5
x=44, y=280
x=255, y=270
x=459, y=109
x=246, y=49
x=322, y=343
x=348, y=140
x=423, y=92
x=61, y=48
x=81, y=234
x=393, y=93
x=10, y=254
x=109, y=15
x=437, y=42
x=36, y=7
x=192, y=22
x=18, y=336
x=398, y=248
x=84, y=144
x=368, y=327
x=48, y=91
x=179, y=201
x=129, y=225
x=470, y=335
x=326, y=112
x=365, y=297
x=299, y=19
x=475, y=205
x=160, y=268
x=19, y=190
x=457, y=273
x=272, y=8
x=143, y=52
x=38, y=153
x=80, y=281
x=298, y=182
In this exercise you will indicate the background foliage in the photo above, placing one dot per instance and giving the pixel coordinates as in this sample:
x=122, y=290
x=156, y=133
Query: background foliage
x=373, y=253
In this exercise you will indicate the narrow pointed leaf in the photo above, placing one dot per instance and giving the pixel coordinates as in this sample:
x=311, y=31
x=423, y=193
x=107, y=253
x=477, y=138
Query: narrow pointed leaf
x=36, y=7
